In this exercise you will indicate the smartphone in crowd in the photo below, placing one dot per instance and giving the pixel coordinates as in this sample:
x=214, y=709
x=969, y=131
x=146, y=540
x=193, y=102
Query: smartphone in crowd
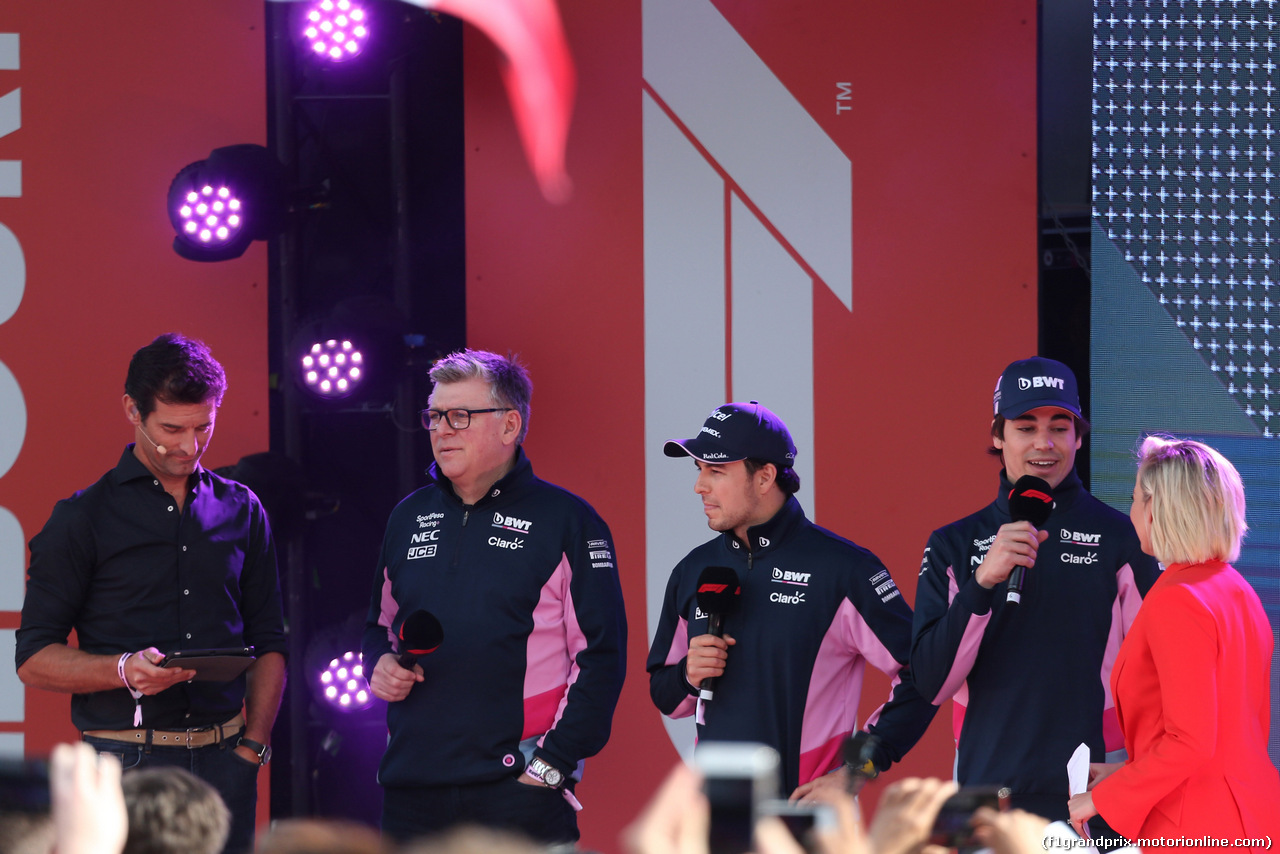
x=952, y=828
x=24, y=785
x=737, y=778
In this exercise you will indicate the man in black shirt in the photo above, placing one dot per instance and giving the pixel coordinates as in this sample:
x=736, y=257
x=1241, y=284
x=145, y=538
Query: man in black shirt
x=162, y=555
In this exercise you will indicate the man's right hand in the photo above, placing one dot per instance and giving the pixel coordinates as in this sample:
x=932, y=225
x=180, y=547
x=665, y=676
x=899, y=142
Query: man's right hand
x=144, y=673
x=707, y=657
x=390, y=681
x=1015, y=545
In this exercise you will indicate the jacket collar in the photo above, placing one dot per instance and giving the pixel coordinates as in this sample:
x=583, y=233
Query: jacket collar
x=521, y=474
x=769, y=535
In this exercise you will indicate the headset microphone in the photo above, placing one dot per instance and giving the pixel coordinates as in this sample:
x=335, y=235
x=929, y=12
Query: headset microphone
x=1030, y=500
x=160, y=449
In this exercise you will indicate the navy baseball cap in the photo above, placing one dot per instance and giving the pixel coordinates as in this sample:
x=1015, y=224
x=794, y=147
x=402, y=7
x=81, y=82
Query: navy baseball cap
x=1031, y=383
x=738, y=431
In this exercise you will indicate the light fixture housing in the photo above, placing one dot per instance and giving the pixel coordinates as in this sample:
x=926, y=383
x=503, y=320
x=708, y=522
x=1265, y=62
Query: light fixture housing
x=221, y=204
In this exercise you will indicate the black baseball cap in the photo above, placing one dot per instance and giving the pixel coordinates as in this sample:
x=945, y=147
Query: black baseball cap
x=738, y=431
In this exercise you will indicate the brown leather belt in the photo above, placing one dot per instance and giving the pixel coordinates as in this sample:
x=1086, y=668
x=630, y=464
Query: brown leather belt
x=188, y=738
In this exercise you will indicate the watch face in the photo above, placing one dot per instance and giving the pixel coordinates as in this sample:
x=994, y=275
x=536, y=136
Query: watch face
x=266, y=755
x=552, y=777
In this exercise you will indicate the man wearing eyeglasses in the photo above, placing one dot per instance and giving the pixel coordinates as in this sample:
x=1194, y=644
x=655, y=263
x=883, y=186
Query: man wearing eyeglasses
x=492, y=727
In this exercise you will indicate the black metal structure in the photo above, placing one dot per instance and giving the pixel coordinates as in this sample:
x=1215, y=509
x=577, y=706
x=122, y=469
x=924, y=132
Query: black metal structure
x=374, y=152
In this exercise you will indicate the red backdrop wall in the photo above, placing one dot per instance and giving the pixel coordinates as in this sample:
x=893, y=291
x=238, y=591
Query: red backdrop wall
x=939, y=135
x=941, y=138
x=114, y=101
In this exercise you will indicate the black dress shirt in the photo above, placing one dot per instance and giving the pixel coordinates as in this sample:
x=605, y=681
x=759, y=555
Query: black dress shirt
x=123, y=566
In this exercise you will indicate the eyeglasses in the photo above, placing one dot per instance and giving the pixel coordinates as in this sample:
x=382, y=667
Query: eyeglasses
x=459, y=419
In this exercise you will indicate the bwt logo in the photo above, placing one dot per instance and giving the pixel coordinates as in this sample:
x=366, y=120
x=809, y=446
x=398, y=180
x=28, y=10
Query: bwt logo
x=786, y=576
x=511, y=523
x=1025, y=383
x=1080, y=539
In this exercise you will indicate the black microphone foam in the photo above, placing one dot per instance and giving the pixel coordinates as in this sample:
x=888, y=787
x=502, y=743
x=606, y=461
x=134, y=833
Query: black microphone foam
x=420, y=634
x=718, y=593
x=1030, y=500
x=718, y=596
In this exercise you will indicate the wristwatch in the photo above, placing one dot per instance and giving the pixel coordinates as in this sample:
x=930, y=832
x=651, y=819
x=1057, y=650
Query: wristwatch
x=545, y=773
x=263, y=750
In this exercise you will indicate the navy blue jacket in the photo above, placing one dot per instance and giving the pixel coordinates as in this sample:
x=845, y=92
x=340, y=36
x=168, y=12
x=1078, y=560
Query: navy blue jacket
x=815, y=609
x=525, y=584
x=1031, y=681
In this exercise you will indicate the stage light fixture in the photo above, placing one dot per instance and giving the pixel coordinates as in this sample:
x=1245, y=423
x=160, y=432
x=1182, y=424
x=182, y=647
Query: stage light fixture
x=336, y=30
x=343, y=684
x=355, y=354
x=221, y=204
x=332, y=368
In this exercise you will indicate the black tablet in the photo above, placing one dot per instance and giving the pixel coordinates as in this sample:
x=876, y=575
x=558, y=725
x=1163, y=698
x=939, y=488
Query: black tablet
x=212, y=665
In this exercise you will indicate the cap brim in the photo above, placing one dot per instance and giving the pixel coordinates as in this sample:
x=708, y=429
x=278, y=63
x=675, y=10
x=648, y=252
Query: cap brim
x=706, y=452
x=1027, y=405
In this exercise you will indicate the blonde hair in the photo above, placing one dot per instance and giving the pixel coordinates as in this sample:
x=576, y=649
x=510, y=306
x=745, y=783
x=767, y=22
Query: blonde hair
x=1196, y=498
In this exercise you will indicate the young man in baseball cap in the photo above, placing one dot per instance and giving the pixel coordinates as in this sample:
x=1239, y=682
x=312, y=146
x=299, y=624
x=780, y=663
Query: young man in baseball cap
x=1030, y=677
x=810, y=608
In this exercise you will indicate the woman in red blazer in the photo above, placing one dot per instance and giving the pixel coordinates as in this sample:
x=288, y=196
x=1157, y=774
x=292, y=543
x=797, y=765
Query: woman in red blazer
x=1192, y=681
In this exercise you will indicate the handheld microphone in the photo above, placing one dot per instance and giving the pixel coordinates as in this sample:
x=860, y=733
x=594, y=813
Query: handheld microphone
x=859, y=754
x=1030, y=500
x=420, y=634
x=718, y=596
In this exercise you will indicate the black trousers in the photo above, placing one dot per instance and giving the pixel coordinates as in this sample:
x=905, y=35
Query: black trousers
x=540, y=813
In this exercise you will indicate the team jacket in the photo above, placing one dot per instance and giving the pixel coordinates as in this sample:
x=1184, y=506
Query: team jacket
x=815, y=609
x=1030, y=681
x=525, y=586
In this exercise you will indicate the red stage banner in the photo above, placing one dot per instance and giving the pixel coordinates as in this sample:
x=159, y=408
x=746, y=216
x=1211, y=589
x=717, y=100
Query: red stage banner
x=99, y=109
x=826, y=206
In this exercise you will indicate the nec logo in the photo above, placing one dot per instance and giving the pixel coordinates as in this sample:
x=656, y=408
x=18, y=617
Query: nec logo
x=1025, y=383
x=511, y=523
x=425, y=536
x=1079, y=539
x=788, y=577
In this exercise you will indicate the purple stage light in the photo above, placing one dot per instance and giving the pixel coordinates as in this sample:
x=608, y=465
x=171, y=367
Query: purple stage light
x=335, y=29
x=210, y=216
x=343, y=683
x=332, y=368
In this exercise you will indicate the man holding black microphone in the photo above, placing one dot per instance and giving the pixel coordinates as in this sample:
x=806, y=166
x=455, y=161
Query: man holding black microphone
x=808, y=610
x=1029, y=670
x=519, y=584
